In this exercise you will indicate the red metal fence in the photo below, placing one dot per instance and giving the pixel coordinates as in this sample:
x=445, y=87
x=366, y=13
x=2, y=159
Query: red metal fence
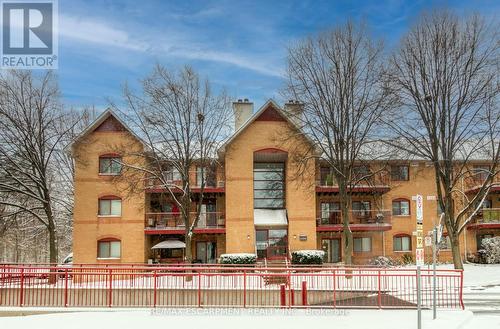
x=216, y=286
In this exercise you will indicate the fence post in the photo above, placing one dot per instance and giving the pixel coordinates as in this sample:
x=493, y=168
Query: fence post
x=419, y=299
x=334, y=289
x=110, y=289
x=379, y=297
x=244, y=288
x=199, y=289
x=21, y=288
x=154, y=288
x=282, y=295
x=462, y=289
x=66, y=288
x=304, y=293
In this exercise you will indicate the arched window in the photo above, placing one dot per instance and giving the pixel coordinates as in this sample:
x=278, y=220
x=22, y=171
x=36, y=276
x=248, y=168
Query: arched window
x=110, y=164
x=109, y=248
x=110, y=205
x=401, y=207
x=401, y=242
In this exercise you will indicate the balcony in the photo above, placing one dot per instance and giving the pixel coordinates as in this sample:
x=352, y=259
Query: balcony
x=487, y=218
x=153, y=185
x=172, y=223
x=377, y=184
x=359, y=220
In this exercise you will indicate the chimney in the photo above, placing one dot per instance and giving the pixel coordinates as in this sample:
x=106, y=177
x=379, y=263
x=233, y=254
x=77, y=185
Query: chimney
x=295, y=110
x=243, y=110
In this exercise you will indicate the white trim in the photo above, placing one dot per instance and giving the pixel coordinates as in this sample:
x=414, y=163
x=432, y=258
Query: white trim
x=107, y=258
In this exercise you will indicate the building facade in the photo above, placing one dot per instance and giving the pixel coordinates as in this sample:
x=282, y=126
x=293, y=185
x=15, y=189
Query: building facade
x=260, y=200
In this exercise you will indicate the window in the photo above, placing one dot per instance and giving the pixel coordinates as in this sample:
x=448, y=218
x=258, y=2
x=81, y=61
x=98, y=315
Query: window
x=487, y=204
x=362, y=244
x=330, y=213
x=445, y=243
x=480, y=173
x=361, y=208
x=172, y=175
x=401, y=243
x=326, y=176
x=108, y=249
x=401, y=208
x=400, y=173
x=110, y=206
x=361, y=171
x=205, y=175
x=269, y=185
x=110, y=165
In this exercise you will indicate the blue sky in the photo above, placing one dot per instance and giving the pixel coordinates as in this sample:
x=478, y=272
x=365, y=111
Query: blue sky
x=239, y=45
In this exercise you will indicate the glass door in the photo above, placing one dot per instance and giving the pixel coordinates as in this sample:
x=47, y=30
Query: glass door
x=331, y=247
x=271, y=243
x=206, y=252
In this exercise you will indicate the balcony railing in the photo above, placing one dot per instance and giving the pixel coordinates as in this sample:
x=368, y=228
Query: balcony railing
x=488, y=215
x=377, y=179
x=170, y=220
x=154, y=183
x=356, y=217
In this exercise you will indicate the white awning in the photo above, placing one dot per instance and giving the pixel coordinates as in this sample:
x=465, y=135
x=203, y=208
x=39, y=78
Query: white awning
x=169, y=244
x=270, y=217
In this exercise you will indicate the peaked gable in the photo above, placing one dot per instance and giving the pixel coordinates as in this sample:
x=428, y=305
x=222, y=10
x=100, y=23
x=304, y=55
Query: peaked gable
x=270, y=114
x=110, y=124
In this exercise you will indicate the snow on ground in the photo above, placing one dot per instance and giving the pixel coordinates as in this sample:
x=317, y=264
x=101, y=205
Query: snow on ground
x=240, y=318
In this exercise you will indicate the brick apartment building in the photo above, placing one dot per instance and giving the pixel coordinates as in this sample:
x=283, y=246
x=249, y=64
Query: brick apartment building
x=254, y=203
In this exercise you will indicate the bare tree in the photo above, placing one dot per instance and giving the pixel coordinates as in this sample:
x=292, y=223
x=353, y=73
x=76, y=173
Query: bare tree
x=445, y=76
x=30, y=136
x=337, y=78
x=182, y=122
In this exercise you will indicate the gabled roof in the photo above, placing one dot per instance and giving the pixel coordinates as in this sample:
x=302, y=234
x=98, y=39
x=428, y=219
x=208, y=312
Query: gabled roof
x=100, y=120
x=256, y=115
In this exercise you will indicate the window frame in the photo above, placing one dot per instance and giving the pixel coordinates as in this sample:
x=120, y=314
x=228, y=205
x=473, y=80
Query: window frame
x=108, y=241
x=363, y=238
x=398, y=178
x=399, y=200
x=281, y=168
x=400, y=236
x=109, y=198
x=109, y=156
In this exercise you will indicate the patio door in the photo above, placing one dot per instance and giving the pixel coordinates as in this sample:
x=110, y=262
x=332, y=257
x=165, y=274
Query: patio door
x=206, y=252
x=208, y=216
x=332, y=250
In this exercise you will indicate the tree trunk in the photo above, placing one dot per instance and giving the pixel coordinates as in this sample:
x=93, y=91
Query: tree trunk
x=188, y=255
x=455, y=250
x=347, y=234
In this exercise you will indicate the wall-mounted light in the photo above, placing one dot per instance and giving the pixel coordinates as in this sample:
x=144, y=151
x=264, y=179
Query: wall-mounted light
x=295, y=236
x=248, y=236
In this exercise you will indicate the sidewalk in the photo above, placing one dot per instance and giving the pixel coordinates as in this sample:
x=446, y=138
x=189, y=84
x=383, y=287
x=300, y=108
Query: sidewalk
x=236, y=318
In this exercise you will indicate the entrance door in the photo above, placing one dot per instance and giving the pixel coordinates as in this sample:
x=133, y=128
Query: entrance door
x=206, y=252
x=271, y=243
x=331, y=247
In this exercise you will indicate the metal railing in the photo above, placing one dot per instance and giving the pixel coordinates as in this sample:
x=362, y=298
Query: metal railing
x=222, y=286
x=488, y=215
x=334, y=217
x=171, y=220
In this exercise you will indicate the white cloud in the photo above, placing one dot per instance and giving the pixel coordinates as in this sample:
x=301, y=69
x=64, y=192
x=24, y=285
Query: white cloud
x=93, y=31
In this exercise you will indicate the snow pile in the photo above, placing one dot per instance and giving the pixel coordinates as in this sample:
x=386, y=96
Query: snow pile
x=308, y=257
x=240, y=258
x=491, y=250
x=384, y=261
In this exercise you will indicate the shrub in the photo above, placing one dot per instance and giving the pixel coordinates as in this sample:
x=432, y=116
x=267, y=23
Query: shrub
x=384, y=261
x=491, y=250
x=407, y=259
x=304, y=257
x=238, y=258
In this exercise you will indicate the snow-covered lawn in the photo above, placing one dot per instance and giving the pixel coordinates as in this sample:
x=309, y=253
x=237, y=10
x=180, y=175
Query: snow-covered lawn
x=237, y=318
